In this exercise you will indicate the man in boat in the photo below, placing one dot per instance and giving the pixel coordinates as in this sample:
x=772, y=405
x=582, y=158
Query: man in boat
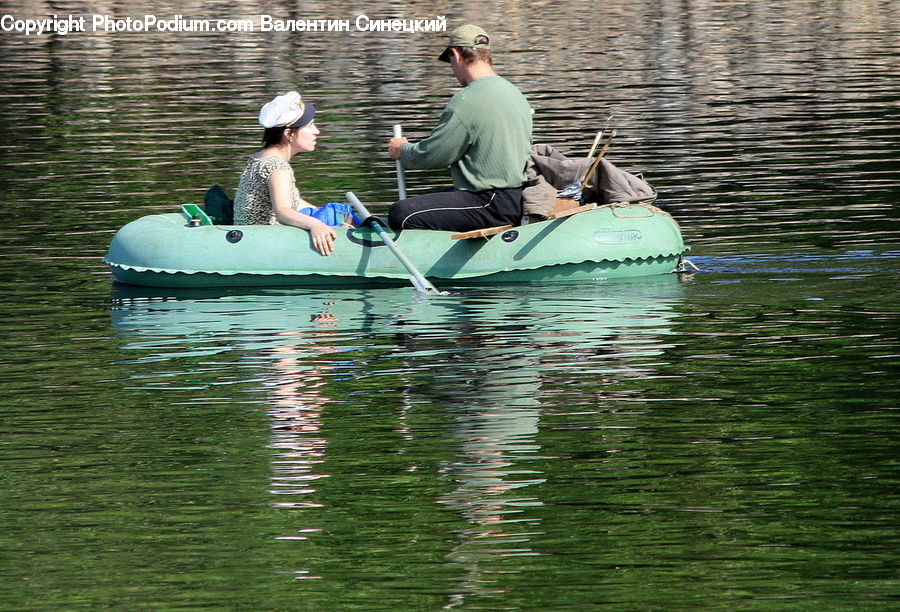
x=484, y=136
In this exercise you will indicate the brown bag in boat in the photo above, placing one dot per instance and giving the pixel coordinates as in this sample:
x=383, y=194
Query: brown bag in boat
x=549, y=171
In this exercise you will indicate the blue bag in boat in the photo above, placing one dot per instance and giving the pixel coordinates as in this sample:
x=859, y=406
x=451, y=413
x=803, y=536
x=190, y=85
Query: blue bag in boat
x=333, y=214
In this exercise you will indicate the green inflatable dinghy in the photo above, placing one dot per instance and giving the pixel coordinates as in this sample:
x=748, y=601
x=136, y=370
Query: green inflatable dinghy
x=598, y=242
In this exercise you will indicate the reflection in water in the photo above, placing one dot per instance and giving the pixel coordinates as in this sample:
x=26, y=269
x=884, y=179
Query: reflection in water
x=504, y=351
x=291, y=345
x=486, y=359
x=297, y=402
x=497, y=436
x=495, y=431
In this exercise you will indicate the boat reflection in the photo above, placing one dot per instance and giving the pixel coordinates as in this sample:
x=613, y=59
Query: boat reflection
x=485, y=360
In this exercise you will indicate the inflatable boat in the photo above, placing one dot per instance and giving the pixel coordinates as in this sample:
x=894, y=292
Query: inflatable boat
x=184, y=249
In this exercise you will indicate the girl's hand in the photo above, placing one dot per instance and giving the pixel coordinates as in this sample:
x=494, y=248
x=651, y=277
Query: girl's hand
x=322, y=236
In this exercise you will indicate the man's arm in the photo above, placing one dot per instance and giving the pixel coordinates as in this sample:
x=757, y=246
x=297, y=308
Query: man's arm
x=444, y=146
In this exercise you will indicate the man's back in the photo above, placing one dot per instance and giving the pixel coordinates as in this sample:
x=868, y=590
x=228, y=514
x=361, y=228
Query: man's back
x=497, y=118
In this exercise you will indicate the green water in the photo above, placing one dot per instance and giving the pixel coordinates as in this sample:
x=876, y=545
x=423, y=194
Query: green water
x=720, y=440
x=366, y=450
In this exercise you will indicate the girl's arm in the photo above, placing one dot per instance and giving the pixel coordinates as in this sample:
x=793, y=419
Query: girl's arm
x=280, y=189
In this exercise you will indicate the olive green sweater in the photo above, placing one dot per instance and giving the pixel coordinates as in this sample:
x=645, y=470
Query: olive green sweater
x=484, y=135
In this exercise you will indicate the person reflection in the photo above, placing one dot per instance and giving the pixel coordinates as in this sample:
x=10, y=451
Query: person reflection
x=296, y=405
x=495, y=430
x=496, y=389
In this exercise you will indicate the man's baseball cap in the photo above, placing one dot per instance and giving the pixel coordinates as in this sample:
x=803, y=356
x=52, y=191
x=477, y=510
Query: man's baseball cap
x=464, y=36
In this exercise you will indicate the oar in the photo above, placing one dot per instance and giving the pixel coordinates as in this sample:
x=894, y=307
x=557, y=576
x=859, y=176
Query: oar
x=598, y=137
x=590, y=172
x=419, y=281
x=575, y=189
x=596, y=142
x=401, y=178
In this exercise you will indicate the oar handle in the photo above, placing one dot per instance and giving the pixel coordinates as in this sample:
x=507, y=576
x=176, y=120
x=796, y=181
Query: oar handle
x=401, y=178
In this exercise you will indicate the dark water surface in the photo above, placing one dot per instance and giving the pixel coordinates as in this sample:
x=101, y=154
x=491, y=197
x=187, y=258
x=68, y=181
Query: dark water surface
x=721, y=440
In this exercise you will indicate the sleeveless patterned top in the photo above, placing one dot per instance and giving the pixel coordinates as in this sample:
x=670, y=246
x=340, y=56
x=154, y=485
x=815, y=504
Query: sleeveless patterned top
x=252, y=204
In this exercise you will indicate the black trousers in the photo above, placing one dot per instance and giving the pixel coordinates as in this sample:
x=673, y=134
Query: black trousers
x=458, y=211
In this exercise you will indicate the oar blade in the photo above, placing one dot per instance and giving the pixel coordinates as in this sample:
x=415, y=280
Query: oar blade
x=422, y=284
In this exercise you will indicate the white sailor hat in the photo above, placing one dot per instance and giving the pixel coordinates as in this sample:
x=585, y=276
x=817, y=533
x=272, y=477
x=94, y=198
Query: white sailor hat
x=287, y=110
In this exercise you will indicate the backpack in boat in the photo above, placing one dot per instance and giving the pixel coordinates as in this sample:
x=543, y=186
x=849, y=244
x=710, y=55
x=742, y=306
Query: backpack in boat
x=218, y=207
x=549, y=171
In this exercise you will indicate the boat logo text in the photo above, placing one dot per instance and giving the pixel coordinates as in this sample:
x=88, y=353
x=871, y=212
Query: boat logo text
x=618, y=236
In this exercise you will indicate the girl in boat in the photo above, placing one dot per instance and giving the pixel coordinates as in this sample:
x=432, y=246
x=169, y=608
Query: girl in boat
x=267, y=193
